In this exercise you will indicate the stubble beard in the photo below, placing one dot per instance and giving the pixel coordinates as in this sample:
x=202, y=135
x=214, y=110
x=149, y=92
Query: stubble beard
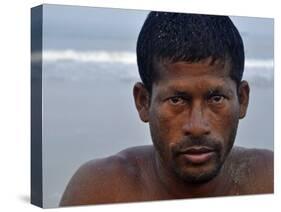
x=205, y=177
x=198, y=178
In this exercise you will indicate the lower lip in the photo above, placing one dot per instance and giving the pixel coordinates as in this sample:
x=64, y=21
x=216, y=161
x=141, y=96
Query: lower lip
x=198, y=158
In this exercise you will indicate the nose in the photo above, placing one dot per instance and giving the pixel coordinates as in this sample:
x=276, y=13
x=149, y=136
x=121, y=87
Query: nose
x=196, y=123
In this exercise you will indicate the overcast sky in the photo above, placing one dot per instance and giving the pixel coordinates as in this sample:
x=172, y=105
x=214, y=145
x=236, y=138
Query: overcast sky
x=85, y=28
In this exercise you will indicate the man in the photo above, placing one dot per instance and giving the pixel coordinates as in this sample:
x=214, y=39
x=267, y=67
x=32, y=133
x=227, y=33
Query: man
x=192, y=95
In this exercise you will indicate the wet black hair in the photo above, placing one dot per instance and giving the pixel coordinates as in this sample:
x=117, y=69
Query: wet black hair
x=174, y=37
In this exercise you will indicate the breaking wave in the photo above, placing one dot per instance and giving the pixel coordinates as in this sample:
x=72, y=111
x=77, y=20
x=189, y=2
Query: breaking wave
x=75, y=65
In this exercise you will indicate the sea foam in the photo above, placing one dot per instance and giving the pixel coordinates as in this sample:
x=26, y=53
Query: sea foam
x=77, y=65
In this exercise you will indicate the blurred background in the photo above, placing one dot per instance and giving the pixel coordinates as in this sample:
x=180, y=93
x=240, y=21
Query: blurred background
x=89, y=69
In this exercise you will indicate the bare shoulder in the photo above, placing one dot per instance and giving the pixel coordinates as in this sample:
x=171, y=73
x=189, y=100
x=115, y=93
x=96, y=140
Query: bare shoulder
x=252, y=169
x=254, y=158
x=105, y=180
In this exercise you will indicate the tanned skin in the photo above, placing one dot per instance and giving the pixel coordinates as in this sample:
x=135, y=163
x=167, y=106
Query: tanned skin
x=193, y=112
x=130, y=176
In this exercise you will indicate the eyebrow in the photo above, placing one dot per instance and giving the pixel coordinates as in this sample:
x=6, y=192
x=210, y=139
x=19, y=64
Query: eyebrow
x=178, y=91
x=175, y=92
x=219, y=89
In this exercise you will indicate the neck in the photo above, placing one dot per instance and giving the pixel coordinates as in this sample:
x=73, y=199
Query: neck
x=176, y=187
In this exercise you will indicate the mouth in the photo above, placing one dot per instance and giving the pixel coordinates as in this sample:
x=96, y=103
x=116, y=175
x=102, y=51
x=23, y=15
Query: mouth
x=198, y=154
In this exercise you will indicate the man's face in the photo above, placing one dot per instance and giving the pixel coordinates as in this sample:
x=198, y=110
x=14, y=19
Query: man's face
x=193, y=115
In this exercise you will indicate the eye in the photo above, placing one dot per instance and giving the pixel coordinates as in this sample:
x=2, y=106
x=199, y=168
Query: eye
x=216, y=99
x=176, y=100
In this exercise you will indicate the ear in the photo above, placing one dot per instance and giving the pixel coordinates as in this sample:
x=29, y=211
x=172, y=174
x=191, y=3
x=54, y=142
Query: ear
x=141, y=97
x=243, y=95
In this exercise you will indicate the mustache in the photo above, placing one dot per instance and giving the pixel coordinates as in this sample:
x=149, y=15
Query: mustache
x=210, y=143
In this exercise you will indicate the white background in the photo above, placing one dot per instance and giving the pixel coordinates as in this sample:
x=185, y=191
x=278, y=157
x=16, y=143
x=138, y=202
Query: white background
x=15, y=103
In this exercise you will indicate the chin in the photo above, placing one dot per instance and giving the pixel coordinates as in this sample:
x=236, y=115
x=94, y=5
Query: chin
x=198, y=175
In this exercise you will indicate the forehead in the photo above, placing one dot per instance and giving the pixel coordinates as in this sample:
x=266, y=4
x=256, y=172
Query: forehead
x=207, y=67
x=205, y=73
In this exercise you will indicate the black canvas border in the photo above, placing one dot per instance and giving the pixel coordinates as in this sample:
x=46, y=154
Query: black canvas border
x=36, y=106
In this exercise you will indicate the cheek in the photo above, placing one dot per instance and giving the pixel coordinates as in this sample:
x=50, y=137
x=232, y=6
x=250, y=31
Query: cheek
x=165, y=124
x=225, y=124
x=164, y=129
